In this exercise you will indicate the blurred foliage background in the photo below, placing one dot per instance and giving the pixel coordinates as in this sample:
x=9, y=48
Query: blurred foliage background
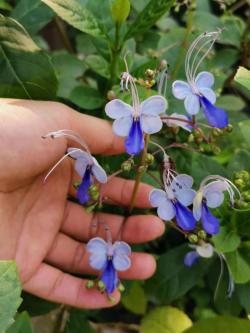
x=72, y=51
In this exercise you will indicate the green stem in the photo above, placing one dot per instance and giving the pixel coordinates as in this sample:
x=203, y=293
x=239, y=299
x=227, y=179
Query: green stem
x=115, y=51
x=140, y=171
x=184, y=43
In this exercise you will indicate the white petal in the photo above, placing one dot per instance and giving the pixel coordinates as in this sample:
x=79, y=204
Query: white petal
x=209, y=94
x=122, y=248
x=181, y=89
x=217, y=185
x=121, y=262
x=204, y=80
x=178, y=123
x=205, y=251
x=214, y=199
x=79, y=153
x=185, y=196
x=116, y=109
x=122, y=125
x=154, y=105
x=157, y=197
x=99, y=172
x=80, y=166
x=166, y=211
x=150, y=124
x=197, y=208
x=192, y=104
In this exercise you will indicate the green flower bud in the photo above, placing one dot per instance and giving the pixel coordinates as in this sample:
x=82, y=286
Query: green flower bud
x=193, y=238
x=121, y=287
x=149, y=159
x=76, y=185
x=90, y=284
x=142, y=168
x=229, y=128
x=149, y=73
x=217, y=132
x=202, y=234
x=245, y=175
x=191, y=138
x=94, y=196
x=246, y=195
x=127, y=166
x=239, y=182
x=101, y=285
x=207, y=148
x=216, y=150
x=111, y=95
x=93, y=189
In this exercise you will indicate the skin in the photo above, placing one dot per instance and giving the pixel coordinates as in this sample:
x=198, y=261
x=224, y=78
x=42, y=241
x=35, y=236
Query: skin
x=40, y=228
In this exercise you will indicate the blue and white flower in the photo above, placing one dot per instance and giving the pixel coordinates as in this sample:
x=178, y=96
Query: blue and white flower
x=133, y=121
x=197, y=92
x=109, y=259
x=87, y=168
x=204, y=250
x=173, y=202
x=211, y=195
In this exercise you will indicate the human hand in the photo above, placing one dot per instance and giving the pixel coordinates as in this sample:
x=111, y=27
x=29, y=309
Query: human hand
x=40, y=228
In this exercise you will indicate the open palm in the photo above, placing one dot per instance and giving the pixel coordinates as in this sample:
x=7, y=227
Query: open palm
x=40, y=228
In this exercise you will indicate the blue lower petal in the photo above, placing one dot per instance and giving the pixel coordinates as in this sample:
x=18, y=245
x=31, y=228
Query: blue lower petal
x=109, y=277
x=135, y=142
x=191, y=258
x=184, y=217
x=216, y=117
x=210, y=223
x=82, y=192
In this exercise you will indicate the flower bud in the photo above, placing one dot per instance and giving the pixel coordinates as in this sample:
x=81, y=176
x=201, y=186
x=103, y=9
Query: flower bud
x=163, y=64
x=121, y=287
x=229, y=128
x=101, y=285
x=93, y=189
x=202, y=234
x=239, y=182
x=127, y=166
x=111, y=95
x=193, y=238
x=191, y=138
x=149, y=159
x=245, y=175
x=90, y=284
x=76, y=185
x=216, y=150
x=149, y=73
x=246, y=195
x=207, y=148
x=217, y=132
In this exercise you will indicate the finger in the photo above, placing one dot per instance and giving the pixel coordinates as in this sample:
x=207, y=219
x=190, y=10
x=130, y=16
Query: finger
x=137, y=229
x=71, y=256
x=96, y=132
x=54, y=285
x=119, y=191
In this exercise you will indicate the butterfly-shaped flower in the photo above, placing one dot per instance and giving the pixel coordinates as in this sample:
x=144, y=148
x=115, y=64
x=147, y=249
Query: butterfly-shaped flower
x=109, y=259
x=197, y=92
x=173, y=202
x=205, y=250
x=211, y=195
x=87, y=167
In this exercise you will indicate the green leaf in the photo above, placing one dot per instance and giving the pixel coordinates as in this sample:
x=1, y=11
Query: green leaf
x=36, y=306
x=245, y=128
x=150, y=14
x=165, y=319
x=32, y=14
x=76, y=15
x=233, y=30
x=239, y=266
x=10, y=291
x=172, y=278
x=26, y=71
x=120, y=10
x=135, y=300
x=221, y=325
x=243, y=292
x=231, y=103
x=226, y=240
x=77, y=322
x=242, y=79
x=87, y=98
x=5, y=5
x=22, y=324
x=98, y=64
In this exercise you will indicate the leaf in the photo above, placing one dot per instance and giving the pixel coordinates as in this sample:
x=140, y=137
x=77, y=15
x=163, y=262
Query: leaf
x=76, y=15
x=242, y=80
x=120, y=10
x=165, y=319
x=78, y=323
x=26, y=71
x=245, y=128
x=22, y=324
x=231, y=103
x=220, y=325
x=239, y=266
x=98, y=64
x=226, y=240
x=87, y=98
x=10, y=291
x=172, y=278
x=243, y=292
x=32, y=14
x=5, y=5
x=233, y=30
x=204, y=21
x=150, y=14
x=135, y=300
x=36, y=306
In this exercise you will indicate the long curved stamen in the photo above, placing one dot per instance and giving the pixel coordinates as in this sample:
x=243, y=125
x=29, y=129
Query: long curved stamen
x=231, y=285
x=59, y=162
x=165, y=155
x=162, y=83
x=70, y=135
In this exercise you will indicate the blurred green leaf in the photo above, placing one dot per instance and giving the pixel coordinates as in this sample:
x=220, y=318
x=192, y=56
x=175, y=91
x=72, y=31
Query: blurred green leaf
x=5, y=5
x=10, y=291
x=239, y=161
x=150, y=14
x=243, y=292
x=226, y=241
x=32, y=14
x=120, y=10
x=165, y=319
x=98, y=64
x=135, y=300
x=22, y=324
x=76, y=15
x=36, y=306
x=87, y=98
x=245, y=129
x=231, y=103
x=239, y=266
x=78, y=323
x=172, y=278
x=204, y=21
x=220, y=325
x=26, y=71
x=242, y=80
x=233, y=29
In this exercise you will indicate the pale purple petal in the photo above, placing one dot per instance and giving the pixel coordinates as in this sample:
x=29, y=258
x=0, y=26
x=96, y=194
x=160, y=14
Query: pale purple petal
x=209, y=94
x=116, y=109
x=214, y=199
x=197, y=210
x=204, y=80
x=181, y=89
x=150, y=124
x=97, y=247
x=178, y=123
x=77, y=153
x=166, y=211
x=217, y=185
x=121, y=262
x=185, y=196
x=121, y=247
x=99, y=172
x=98, y=260
x=192, y=104
x=183, y=180
x=191, y=258
x=153, y=105
x=157, y=197
x=80, y=166
x=121, y=126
